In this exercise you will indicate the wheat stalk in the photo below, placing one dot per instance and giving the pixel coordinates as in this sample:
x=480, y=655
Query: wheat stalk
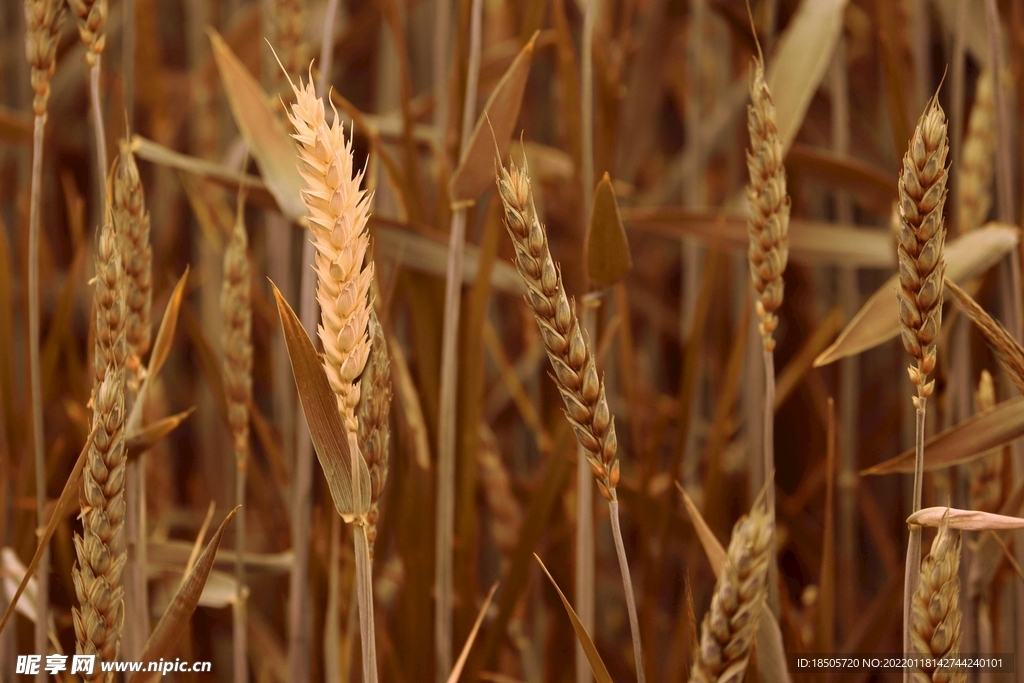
x=974, y=175
x=922, y=196
x=237, y=345
x=100, y=550
x=42, y=23
x=575, y=370
x=727, y=634
x=374, y=432
x=768, y=252
x=92, y=20
x=935, y=623
x=338, y=214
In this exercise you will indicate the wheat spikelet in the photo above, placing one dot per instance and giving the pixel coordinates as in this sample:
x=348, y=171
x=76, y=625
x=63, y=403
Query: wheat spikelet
x=237, y=311
x=131, y=222
x=922, y=196
x=768, y=226
x=575, y=372
x=974, y=185
x=374, y=432
x=338, y=213
x=289, y=16
x=1007, y=350
x=727, y=634
x=92, y=18
x=986, y=486
x=506, y=510
x=111, y=318
x=935, y=620
x=42, y=32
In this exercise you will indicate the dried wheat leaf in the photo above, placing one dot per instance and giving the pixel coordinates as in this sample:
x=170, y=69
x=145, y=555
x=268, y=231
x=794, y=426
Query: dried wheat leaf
x=172, y=554
x=273, y=150
x=320, y=407
x=712, y=547
x=179, y=613
x=475, y=172
x=140, y=441
x=967, y=520
x=605, y=247
x=220, y=591
x=965, y=441
x=471, y=638
x=801, y=58
x=596, y=663
x=68, y=497
x=967, y=257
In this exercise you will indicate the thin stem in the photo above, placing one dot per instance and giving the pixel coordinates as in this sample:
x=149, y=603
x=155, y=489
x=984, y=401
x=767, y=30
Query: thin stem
x=327, y=47
x=584, y=541
x=97, y=123
x=38, y=444
x=627, y=585
x=442, y=19
x=444, y=536
x=769, y=473
x=913, y=566
x=332, y=620
x=364, y=583
x=241, y=620
x=128, y=59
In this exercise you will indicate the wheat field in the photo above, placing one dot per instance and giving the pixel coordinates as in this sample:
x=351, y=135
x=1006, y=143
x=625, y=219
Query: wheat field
x=518, y=341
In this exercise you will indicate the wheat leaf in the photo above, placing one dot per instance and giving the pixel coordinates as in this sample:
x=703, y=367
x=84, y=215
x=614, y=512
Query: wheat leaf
x=967, y=520
x=140, y=441
x=605, y=247
x=461, y=661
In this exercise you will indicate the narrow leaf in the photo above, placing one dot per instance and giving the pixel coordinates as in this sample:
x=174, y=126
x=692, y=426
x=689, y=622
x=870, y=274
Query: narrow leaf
x=712, y=547
x=68, y=497
x=1006, y=348
x=320, y=407
x=273, y=150
x=179, y=613
x=461, y=661
x=967, y=257
x=605, y=247
x=596, y=663
x=140, y=441
x=475, y=172
x=801, y=58
x=965, y=441
x=967, y=520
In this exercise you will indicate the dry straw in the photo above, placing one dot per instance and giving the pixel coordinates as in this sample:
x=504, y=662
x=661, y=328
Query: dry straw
x=727, y=634
x=374, y=431
x=101, y=556
x=974, y=177
x=935, y=622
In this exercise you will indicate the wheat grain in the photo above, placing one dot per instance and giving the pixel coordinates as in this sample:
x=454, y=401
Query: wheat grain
x=974, y=176
x=42, y=24
x=935, y=622
x=768, y=226
x=111, y=319
x=922, y=196
x=727, y=634
x=575, y=372
x=237, y=311
x=131, y=222
x=1009, y=353
x=338, y=216
x=374, y=431
x=985, y=473
x=92, y=19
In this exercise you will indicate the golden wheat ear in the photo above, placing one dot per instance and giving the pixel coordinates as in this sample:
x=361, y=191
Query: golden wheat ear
x=935, y=629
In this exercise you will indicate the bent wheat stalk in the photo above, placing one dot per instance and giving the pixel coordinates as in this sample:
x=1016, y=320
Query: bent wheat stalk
x=42, y=20
x=922, y=196
x=338, y=215
x=768, y=229
x=727, y=634
x=575, y=370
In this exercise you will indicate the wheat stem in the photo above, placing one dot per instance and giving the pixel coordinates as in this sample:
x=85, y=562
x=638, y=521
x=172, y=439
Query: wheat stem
x=627, y=586
x=913, y=564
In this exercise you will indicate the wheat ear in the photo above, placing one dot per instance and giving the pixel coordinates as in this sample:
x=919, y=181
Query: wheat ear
x=985, y=473
x=374, y=431
x=935, y=623
x=974, y=187
x=575, y=370
x=237, y=343
x=922, y=197
x=92, y=20
x=768, y=252
x=289, y=22
x=338, y=215
x=42, y=23
x=100, y=550
x=727, y=634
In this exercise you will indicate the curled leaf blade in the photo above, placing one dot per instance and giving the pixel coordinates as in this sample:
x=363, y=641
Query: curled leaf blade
x=966, y=520
x=605, y=247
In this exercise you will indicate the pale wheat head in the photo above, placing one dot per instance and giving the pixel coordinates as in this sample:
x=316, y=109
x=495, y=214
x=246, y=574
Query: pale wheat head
x=374, y=431
x=985, y=473
x=111, y=314
x=92, y=19
x=935, y=619
x=727, y=634
x=131, y=222
x=575, y=371
x=42, y=32
x=922, y=196
x=974, y=182
x=338, y=214
x=237, y=310
x=768, y=226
